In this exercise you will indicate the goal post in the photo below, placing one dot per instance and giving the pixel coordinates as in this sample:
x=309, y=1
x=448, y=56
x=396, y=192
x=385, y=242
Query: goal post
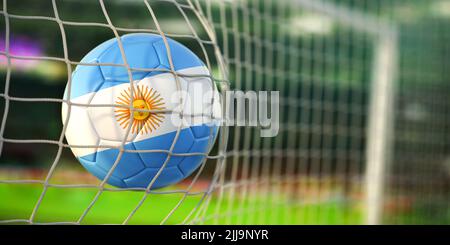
x=382, y=98
x=381, y=125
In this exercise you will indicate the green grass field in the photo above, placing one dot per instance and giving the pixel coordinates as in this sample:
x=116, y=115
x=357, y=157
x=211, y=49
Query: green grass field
x=67, y=205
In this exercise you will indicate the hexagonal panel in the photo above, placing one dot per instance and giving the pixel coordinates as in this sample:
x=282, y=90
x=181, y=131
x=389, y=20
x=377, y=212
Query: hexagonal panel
x=168, y=176
x=164, y=142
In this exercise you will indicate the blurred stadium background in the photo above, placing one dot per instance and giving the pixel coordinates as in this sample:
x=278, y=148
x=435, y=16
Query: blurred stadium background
x=365, y=112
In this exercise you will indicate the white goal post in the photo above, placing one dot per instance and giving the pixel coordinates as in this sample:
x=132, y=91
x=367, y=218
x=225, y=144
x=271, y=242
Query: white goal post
x=382, y=98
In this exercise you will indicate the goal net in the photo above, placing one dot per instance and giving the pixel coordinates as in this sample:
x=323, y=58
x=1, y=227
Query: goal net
x=363, y=112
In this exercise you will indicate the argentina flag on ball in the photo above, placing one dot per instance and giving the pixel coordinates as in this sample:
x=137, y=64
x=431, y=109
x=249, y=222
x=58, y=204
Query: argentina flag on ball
x=156, y=114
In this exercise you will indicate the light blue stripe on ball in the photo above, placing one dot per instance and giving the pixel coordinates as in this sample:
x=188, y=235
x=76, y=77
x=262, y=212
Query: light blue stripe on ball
x=136, y=170
x=142, y=50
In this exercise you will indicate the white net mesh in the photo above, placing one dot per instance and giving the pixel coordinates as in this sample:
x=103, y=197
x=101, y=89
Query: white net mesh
x=363, y=112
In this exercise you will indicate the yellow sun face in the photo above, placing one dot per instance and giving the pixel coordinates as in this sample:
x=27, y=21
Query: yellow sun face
x=140, y=104
x=144, y=122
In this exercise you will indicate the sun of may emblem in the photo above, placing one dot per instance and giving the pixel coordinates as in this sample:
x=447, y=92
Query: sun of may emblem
x=143, y=122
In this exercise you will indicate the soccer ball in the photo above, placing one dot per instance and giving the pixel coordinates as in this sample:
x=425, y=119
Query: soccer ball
x=100, y=114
